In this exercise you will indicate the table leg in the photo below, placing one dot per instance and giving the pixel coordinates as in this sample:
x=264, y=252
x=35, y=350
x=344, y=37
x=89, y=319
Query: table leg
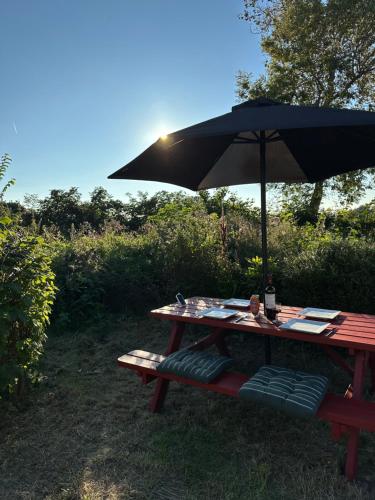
x=217, y=338
x=358, y=382
x=162, y=385
x=267, y=349
x=222, y=345
x=337, y=359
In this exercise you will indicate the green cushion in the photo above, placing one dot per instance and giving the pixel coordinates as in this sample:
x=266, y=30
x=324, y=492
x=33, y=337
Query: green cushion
x=297, y=393
x=196, y=365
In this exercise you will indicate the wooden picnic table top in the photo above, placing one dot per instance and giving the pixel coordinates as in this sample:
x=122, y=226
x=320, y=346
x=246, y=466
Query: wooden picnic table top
x=351, y=330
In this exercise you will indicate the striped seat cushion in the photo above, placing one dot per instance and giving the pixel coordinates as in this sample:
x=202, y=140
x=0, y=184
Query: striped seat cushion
x=196, y=365
x=297, y=393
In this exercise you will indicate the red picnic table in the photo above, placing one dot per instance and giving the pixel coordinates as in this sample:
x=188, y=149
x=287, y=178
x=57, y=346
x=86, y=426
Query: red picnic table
x=348, y=413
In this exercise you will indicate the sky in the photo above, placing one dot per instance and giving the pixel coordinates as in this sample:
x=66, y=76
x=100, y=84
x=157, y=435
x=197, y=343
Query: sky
x=87, y=85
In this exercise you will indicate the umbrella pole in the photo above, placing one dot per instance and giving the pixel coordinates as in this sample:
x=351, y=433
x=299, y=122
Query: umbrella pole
x=263, y=205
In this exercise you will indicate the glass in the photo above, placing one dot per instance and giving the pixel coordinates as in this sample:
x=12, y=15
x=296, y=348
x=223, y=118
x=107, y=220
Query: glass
x=278, y=309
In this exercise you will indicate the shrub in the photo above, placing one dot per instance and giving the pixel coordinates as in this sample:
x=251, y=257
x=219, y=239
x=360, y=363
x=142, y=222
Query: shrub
x=338, y=274
x=127, y=272
x=26, y=296
x=183, y=248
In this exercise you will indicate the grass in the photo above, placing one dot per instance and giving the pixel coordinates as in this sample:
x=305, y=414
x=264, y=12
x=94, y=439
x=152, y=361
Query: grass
x=86, y=432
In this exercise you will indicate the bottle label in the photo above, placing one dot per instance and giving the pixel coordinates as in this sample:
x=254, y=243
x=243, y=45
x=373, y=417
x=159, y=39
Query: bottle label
x=270, y=300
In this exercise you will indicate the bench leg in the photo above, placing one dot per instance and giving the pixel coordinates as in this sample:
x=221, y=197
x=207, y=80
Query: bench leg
x=162, y=385
x=352, y=454
x=372, y=368
x=357, y=390
x=160, y=393
x=338, y=430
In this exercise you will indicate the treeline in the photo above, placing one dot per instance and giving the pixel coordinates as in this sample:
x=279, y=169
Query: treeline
x=66, y=212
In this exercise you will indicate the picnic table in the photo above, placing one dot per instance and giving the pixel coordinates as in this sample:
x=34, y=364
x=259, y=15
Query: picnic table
x=348, y=413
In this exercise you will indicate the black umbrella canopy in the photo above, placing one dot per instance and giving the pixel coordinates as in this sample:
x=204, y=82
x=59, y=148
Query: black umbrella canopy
x=304, y=144
x=260, y=141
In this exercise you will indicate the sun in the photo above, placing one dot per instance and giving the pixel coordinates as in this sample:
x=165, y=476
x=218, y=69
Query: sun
x=160, y=132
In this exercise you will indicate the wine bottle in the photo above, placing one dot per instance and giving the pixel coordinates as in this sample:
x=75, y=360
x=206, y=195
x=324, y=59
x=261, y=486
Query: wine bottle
x=270, y=299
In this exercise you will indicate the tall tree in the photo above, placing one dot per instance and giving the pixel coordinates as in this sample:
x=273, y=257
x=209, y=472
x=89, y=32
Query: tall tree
x=319, y=52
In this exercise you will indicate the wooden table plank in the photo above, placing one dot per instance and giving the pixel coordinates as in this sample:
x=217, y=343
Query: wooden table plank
x=355, y=331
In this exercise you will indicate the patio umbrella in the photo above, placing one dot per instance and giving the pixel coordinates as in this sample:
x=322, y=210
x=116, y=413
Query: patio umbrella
x=260, y=141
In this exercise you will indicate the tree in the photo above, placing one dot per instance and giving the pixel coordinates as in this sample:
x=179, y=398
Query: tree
x=223, y=200
x=139, y=208
x=62, y=209
x=320, y=52
x=103, y=208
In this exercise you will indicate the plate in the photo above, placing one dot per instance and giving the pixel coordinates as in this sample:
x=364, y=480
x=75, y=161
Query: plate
x=313, y=312
x=215, y=313
x=237, y=302
x=305, y=326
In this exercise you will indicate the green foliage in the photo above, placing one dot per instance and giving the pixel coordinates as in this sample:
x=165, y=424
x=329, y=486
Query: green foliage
x=254, y=273
x=27, y=291
x=67, y=213
x=338, y=274
x=318, y=52
x=176, y=250
x=222, y=199
x=181, y=249
x=105, y=272
x=201, y=245
x=5, y=162
x=356, y=223
x=26, y=295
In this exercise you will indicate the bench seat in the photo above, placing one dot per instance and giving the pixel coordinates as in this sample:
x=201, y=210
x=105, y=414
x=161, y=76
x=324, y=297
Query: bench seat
x=334, y=408
x=145, y=362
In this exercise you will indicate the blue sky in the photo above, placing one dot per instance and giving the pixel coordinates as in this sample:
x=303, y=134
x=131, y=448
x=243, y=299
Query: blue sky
x=87, y=85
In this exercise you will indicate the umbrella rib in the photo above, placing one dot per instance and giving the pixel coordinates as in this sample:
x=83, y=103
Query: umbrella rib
x=169, y=146
x=272, y=134
x=245, y=141
x=274, y=139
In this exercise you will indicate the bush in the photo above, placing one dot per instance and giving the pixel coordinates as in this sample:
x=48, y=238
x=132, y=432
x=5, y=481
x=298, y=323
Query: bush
x=104, y=272
x=184, y=248
x=131, y=272
x=26, y=296
x=337, y=273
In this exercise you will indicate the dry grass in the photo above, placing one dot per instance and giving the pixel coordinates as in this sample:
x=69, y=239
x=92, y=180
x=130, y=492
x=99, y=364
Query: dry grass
x=86, y=432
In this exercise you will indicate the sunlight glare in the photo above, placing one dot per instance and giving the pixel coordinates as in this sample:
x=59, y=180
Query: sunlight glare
x=160, y=132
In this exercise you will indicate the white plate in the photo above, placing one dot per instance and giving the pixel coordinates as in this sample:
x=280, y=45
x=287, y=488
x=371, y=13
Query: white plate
x=313, y=312
x=305, y=326
x=237, y=302
x=216, y=313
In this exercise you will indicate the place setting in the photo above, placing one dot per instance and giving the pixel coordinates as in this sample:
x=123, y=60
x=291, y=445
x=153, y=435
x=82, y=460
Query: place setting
x=307, y=321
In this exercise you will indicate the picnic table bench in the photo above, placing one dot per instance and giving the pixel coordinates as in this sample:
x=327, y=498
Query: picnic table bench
x=348, y=414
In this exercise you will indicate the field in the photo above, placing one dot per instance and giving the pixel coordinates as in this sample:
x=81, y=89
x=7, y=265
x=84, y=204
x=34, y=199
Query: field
x=86, y=433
